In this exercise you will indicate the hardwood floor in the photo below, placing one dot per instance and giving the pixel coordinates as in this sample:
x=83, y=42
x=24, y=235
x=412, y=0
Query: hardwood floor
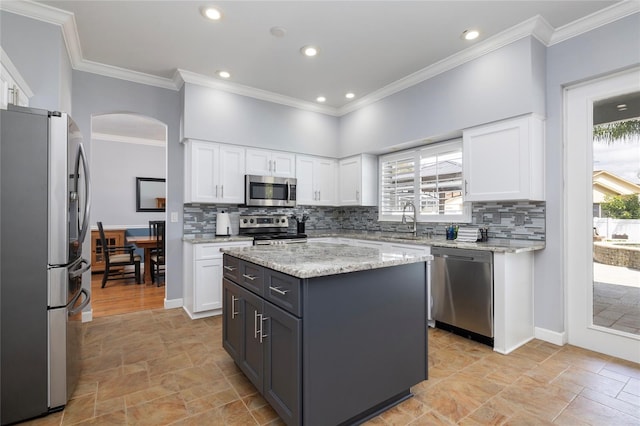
x=124, y=296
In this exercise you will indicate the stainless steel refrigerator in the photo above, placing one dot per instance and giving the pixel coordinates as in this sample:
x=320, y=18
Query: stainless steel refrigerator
x=44, y=207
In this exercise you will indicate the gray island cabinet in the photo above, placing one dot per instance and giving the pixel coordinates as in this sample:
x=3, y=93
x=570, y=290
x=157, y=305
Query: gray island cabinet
x=329, y=334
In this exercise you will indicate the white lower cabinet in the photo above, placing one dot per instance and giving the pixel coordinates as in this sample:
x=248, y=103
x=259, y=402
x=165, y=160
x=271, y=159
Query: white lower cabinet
x=513, y=300
x=202, y=284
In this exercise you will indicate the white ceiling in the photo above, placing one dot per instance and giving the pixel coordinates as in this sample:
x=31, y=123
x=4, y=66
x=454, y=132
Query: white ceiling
x=365, y=46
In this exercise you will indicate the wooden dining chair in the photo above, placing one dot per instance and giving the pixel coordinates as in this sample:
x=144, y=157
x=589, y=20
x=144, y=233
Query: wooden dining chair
x=116, y=259
x=157, y=229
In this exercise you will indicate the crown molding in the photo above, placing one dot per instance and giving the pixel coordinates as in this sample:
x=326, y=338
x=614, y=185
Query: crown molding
x=595, y=20
x=126, y=139
x=125, y=74
x=183, y=76
x=39, y=11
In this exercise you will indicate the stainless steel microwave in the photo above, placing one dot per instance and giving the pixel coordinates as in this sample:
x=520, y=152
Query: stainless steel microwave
x=270, y=191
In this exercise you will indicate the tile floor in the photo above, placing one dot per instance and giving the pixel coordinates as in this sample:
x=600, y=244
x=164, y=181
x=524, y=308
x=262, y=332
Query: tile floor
x=161, y=368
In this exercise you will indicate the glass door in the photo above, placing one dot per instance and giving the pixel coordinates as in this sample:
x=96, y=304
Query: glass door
x=602, y=174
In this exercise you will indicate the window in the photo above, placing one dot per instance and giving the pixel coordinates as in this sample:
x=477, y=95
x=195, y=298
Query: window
x=430, y=177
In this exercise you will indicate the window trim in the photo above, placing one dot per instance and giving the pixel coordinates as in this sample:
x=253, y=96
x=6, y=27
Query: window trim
x=417, y=153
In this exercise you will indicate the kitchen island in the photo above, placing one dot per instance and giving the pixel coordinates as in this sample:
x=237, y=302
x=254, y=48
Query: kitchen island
x=329, y=333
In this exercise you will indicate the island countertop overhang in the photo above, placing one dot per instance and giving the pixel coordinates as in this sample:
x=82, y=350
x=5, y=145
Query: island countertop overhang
x=322, y=259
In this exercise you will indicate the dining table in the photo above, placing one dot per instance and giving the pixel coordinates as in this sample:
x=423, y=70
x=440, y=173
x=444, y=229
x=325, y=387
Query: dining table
x=148, y=243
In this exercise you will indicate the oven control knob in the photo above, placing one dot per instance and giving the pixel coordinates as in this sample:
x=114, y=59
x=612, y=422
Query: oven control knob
x=283, y=220
x=244, y=220
x=251, y=220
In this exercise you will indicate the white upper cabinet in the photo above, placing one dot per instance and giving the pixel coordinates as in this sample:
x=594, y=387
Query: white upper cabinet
x=264, y=162
x=358, y=181
x=13, y=89
x=214, y=173
x=504, y=160
x=317, y=181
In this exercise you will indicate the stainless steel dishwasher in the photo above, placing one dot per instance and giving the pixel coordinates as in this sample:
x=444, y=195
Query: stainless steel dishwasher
x=462, y=292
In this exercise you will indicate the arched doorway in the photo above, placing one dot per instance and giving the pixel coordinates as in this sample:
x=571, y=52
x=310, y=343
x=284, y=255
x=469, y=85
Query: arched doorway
x=124, y=146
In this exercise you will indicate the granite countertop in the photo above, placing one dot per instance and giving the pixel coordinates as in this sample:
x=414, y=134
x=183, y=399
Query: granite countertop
x=321, y=259
x=212, y=238
x=494, y=244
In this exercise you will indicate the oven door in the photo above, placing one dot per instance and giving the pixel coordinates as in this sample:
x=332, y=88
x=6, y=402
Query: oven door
x=270, y=191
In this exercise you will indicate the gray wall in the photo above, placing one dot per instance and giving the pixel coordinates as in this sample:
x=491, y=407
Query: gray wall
x=96, y=95
x=599, y=52
x=114, y=168
x=38, y=51
x=504, y=83
x=214, y=115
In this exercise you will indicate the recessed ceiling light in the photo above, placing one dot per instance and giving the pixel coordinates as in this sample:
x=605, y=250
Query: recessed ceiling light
x=470, y=34
x=309, y=51
x=321, y=99
x=223, y=74
x=350, y=95
x=211, y=13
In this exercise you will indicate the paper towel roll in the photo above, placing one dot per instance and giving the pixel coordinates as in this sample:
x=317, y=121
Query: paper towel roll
x=223, y=224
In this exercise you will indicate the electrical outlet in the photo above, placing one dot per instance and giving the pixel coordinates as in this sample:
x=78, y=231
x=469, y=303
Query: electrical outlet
x=174, y=216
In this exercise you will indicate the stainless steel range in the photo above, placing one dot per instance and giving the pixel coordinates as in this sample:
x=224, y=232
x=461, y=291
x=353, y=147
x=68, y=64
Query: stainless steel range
x=269, y=230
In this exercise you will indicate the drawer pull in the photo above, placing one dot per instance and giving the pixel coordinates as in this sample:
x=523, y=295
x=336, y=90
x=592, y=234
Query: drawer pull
x=229, y=268
x=249, y=277
x=277, y=290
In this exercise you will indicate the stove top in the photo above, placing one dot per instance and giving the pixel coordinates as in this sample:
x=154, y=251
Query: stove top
x=279, y=236
x=271, y=229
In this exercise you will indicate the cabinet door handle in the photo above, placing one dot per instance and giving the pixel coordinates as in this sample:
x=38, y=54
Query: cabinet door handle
x=274, y=166
x=466, y=184
x=262, y=320
x=221, y=191
x=216, y=191
x=269, y=165
x=233, y=306
x=278, y=290
x=357, y=195
x=319, y=196
x=255, y=323
x=249, y=277
x=229, y=268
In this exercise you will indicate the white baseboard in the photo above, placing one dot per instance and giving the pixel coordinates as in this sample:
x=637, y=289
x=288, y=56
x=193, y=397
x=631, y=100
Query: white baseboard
x=87, y=316
x=172, y=303
x=205, y=314
x=559, y=339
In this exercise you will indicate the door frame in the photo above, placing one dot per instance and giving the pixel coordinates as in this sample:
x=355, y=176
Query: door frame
x=578, y=220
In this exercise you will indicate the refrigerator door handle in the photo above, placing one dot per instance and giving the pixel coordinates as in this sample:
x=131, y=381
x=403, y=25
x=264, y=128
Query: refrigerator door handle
x=78, y=272
x=87, y=185
x=85, y=302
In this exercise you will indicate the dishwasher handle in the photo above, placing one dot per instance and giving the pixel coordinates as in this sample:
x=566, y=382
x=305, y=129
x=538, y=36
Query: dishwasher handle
x=451, y=256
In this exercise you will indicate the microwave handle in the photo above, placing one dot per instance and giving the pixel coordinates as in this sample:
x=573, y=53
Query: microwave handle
x=288, y=191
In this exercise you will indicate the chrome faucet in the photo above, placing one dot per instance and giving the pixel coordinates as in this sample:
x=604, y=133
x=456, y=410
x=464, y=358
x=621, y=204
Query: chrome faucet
x=414, y=230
